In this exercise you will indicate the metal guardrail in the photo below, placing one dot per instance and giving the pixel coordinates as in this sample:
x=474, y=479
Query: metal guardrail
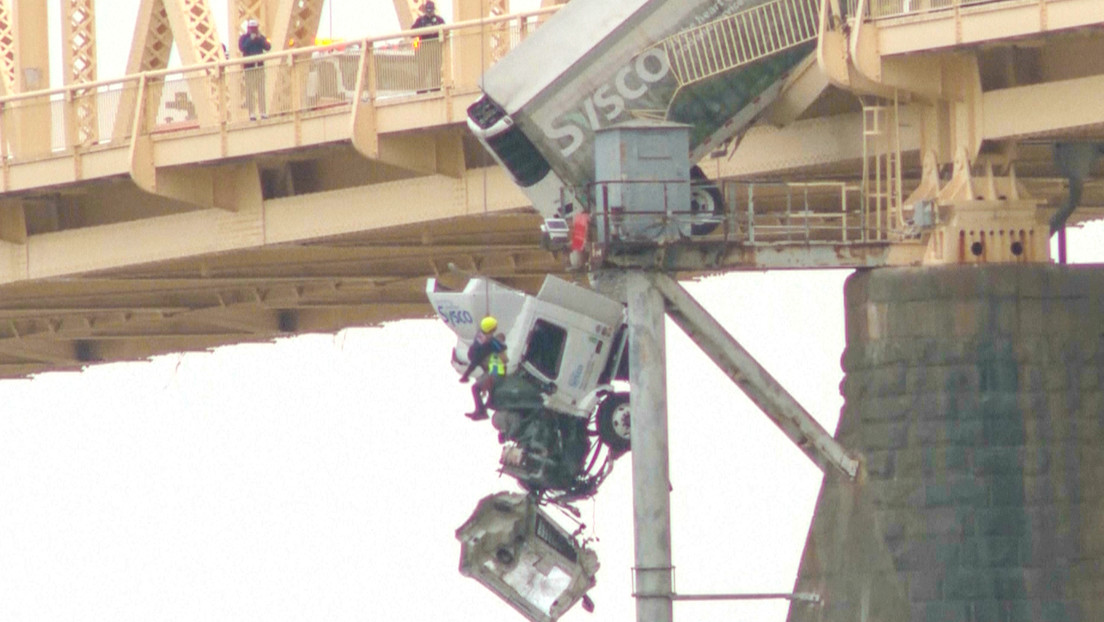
x=894, y=8
x=301, y=81
x=753, y=213
x=740, y=39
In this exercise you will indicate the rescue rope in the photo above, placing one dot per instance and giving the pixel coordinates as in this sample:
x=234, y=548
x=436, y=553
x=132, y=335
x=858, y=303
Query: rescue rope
x=483, y=155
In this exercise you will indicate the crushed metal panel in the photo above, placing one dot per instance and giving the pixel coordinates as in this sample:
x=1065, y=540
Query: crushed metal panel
x=581, y=300
x=517, y=551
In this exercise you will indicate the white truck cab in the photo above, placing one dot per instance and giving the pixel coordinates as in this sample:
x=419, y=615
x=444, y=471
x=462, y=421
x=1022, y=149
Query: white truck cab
x=570, y=339
x=562, y=408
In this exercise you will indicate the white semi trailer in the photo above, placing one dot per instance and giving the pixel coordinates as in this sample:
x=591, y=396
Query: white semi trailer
x=711, y=64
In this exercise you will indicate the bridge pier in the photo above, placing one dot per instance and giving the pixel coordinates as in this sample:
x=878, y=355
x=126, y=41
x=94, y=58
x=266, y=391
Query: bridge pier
x=975, y=396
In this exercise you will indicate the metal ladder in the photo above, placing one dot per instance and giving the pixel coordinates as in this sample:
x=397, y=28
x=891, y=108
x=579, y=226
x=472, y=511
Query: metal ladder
x=740, y=39
x=881, y=170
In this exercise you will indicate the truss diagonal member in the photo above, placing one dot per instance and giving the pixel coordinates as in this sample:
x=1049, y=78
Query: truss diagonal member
x=740, y=39
x=198, y=43
x=194, y=31
x=153, y=38
x=498, y=34
x=406, y=11
x=296, y=23
x=79, y=33
x=149, y=51
x=754, y=380
x=7, y=49
x=79, y=61
x=240, y=10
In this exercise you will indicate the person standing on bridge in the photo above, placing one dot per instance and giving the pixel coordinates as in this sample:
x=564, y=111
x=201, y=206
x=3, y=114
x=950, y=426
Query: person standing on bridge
x=253, y=43
x=427, y=50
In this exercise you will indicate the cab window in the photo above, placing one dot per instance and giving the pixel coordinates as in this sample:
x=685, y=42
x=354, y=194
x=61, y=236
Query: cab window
x=545, y=347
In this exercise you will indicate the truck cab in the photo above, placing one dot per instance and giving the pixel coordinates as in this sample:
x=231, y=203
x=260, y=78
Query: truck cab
x=569, y=339
x=562, y=408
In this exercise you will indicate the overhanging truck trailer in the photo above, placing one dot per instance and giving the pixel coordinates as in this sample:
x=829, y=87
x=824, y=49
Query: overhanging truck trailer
x=711, y=64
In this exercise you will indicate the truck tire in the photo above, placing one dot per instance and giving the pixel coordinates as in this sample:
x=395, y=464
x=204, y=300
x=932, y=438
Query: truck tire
x=706, y=203
x=613, y=422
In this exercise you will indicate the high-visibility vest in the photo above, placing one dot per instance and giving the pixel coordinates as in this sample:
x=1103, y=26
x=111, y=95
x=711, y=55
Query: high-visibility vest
x=495, y=365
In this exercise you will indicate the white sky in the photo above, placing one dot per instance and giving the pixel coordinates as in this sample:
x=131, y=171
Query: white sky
x=322, y=477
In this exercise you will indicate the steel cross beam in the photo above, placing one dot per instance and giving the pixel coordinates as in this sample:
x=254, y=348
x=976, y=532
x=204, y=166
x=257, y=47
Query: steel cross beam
x=770, y=396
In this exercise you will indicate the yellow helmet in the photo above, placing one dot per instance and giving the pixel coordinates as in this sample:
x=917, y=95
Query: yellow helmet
x=488, y=324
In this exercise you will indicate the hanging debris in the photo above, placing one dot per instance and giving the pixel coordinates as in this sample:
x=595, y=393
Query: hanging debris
x=515, y=549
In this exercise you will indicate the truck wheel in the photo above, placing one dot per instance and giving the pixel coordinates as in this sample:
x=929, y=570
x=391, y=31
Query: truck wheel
x=706, y=203
x=613, y=422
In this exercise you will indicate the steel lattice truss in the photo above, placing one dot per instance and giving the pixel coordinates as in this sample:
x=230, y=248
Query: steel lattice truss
x=241, y=10
x=7, y=49
x=203, y=42
x=153, y=38
x=79, y=30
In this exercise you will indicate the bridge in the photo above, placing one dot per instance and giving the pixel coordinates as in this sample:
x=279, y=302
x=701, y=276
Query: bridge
x=156, y=213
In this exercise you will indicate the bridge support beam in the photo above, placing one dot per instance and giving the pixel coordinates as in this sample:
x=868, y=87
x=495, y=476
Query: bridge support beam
x=754, y=380
x=13, y=223
x=233, y=187
x=653, y=583
x=428, y=152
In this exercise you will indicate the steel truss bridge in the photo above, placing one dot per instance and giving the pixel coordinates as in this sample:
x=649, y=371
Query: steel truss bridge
x=150, y=214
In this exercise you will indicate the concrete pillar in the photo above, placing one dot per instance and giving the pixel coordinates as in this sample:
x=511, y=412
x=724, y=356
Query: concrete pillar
x=975, y=396
x=651, y=483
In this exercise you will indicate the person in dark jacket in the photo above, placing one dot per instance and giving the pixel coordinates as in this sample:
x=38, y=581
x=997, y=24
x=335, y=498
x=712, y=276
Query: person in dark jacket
x=487, y=351
x=253, y=43
x=427, y=50
x=429, y=17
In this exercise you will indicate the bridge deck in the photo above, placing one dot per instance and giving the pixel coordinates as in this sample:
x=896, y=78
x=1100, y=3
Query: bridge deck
x=156, y=216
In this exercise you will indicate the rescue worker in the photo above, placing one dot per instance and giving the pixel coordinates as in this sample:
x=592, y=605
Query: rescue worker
x=483, y=344
x=495, y=366
x=253, y=43
x=427, y=50
x=489, y=352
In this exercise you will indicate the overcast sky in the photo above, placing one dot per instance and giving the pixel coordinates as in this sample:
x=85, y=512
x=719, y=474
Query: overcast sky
x=322, y=477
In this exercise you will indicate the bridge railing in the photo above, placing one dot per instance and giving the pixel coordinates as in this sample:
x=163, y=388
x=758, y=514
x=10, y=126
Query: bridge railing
x=106, y=114
x=750, y=213
x=892, y=8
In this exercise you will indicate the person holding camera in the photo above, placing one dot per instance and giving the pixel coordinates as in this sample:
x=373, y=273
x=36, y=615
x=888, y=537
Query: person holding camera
x=253, y=43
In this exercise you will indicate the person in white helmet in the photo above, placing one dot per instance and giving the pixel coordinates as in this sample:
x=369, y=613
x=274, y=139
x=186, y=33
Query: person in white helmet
x=253, y=43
